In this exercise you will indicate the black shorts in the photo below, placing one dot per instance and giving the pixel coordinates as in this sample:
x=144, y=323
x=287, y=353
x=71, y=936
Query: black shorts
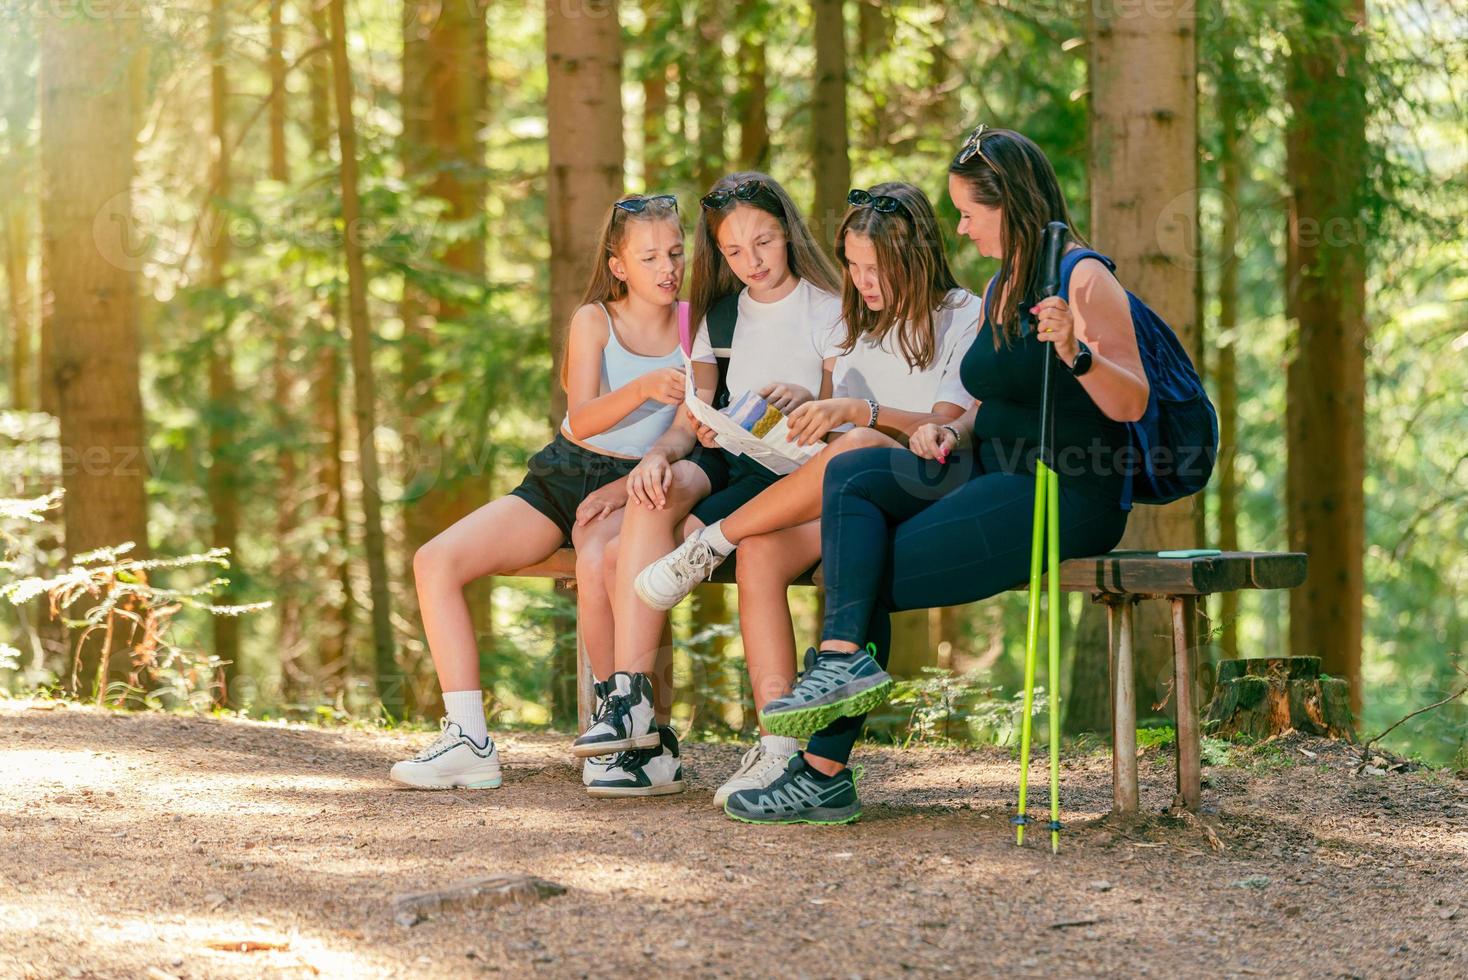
x=562, y=475
x=736, y=480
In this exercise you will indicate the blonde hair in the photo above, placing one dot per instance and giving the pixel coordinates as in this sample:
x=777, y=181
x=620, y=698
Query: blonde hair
x=602, y=286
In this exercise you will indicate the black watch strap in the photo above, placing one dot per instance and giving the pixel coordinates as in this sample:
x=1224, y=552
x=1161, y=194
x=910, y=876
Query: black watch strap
x=1083, y=360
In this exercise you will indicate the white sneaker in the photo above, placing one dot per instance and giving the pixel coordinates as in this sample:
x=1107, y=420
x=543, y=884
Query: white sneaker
x=626, y=720
x=757, y=770
x=453, y=760
x=645, y=772
x=667, y=581
x=596, y=766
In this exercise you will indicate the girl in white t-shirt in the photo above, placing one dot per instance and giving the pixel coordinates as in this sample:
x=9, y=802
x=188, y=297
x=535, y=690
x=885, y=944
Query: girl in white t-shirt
x=907, y=326
x=752, y=248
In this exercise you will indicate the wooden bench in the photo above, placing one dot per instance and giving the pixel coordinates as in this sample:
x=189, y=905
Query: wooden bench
x=1118, y=580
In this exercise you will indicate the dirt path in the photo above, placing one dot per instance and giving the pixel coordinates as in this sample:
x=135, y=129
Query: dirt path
x=128, y=843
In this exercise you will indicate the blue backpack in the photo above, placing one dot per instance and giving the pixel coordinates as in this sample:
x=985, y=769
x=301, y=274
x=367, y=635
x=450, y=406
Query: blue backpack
x=1175, y=443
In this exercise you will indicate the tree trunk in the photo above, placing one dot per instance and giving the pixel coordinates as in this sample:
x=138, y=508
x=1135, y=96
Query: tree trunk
x=584, y=110
x=275, y=66
x=654, y=99
x=1231, y=165
x=1264, y=697
x=445, y=107
x=334, y=664
x=17, y=241
x=828, y=121
x=1143, y=176
x=754, y=91
x=389, y=681
x=90, y=312
x=715, y=700
x=707, y=77
x=223, y=477
x=1326, y=296
x=297, y=670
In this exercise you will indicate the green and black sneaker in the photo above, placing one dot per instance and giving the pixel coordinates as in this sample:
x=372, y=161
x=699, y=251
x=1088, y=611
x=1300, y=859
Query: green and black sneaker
x=799, y=795
x=834, y=685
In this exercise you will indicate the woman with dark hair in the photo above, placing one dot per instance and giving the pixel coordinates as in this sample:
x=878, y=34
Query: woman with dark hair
x=948, y=521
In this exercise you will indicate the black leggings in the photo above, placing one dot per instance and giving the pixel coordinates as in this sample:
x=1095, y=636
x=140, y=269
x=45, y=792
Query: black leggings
x=901, y=532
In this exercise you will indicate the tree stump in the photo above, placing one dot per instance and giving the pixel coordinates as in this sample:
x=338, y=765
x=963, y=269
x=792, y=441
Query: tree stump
x=1270, y=695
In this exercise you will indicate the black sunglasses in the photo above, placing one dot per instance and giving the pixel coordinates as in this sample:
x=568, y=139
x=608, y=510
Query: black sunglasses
x=880, y=203
x=637, y=205
x=747, y=190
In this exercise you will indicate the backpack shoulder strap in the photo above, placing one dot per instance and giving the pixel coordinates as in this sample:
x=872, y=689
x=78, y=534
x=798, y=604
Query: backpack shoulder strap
x=1068, y=263
x=988, y=297
x=723, y=316
x=685, y=337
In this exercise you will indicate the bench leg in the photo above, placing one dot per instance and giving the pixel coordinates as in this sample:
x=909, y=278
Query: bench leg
x=584, y=693
x=1185, y=677
x=1121, y=627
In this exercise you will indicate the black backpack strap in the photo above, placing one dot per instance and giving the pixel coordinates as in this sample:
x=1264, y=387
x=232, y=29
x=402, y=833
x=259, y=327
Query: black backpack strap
x=722, y=318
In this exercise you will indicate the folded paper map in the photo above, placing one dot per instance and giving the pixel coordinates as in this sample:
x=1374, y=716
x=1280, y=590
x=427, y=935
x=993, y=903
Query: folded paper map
x=749, y=427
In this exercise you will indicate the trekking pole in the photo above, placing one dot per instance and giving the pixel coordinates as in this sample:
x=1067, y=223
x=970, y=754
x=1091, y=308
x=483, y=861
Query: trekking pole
x=1045, y=530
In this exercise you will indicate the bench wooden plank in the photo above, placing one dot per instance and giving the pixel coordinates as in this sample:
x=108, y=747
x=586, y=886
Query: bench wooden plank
x=1117, y=573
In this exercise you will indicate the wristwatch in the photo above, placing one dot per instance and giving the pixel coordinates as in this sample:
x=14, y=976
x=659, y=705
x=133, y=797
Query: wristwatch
x=1083, y=360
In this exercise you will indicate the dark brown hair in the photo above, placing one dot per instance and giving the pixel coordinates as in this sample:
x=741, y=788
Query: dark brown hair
x=602, y=286
x=914, y=270
x=712, y=277
x=1012, y=174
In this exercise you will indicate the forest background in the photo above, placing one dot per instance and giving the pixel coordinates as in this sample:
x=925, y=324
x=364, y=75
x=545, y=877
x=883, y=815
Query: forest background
x=290, y=279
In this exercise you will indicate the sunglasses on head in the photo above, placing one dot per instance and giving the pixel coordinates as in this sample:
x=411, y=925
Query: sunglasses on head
x=746, y=190
x=972, y=147
x=880, y=203
x=637, y=205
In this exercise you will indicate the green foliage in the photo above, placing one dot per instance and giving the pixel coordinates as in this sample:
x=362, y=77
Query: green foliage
x=477, y=406
x=118, y=600
x=943, y=708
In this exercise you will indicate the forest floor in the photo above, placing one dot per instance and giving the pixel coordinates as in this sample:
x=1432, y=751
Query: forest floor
x=135, y=845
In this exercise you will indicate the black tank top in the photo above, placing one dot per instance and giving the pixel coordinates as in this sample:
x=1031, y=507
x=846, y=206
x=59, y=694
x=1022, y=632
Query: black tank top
x=1006, y=382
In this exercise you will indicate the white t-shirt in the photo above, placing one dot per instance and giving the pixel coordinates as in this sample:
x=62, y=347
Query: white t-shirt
x=880, y=371
x=785, y=341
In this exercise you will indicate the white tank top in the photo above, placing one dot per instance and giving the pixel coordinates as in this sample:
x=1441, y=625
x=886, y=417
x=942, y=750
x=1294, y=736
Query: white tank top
x=644, y=425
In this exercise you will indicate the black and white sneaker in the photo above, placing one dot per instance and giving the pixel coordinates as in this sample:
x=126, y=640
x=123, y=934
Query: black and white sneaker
x=626, y=720
x=596, y=766
x=643, y=772
x=800, y=795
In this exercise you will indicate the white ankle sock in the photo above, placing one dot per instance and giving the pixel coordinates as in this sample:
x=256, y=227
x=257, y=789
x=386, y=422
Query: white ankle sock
x=466, y=709
x=713, y=535
x=781, y=745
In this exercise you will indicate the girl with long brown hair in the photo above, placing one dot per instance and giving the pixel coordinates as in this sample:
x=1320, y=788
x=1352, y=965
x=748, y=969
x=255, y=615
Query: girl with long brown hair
x=624, y=381
x=908, y=325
